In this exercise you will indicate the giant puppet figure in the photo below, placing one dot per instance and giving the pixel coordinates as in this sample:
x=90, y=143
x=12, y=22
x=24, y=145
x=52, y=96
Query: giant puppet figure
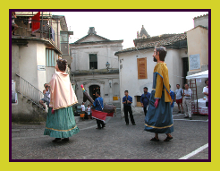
x=159, y=118
x=108, y=110
x=60, y=117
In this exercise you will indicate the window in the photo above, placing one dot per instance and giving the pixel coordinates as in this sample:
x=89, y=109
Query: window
x=142, y=68
x=138, y=101
x=93, y=61
x=51, y=57
x=64, y=38
x=64, y=42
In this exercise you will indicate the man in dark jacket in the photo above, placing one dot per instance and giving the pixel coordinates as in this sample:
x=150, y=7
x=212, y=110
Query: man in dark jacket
x=145, y=100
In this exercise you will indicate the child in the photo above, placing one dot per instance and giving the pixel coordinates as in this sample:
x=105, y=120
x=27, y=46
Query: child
x=83, y=110
x=46, y=98
x=88, y=111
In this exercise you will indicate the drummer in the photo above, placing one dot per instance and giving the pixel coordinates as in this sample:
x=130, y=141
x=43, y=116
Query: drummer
x=98, y=104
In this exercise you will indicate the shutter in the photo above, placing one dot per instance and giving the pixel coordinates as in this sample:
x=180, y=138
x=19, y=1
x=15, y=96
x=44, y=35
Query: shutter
x=52, y=58
x=142, y=68
x=47, y=57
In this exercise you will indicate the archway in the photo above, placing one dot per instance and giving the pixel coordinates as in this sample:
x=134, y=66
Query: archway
x=92, y=90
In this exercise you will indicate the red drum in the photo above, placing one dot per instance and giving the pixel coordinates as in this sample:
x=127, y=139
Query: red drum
x=100, y=115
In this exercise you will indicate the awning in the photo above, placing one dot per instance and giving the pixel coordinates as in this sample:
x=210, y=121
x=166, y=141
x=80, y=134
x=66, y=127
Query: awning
x=198, y=75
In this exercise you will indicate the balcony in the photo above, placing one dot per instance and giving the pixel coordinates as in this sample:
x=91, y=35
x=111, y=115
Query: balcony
x=45, y=33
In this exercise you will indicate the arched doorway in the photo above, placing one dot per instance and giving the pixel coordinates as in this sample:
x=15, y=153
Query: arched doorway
x=92, y=90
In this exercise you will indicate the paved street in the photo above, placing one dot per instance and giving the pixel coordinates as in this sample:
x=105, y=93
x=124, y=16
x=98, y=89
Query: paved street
x=116, y=141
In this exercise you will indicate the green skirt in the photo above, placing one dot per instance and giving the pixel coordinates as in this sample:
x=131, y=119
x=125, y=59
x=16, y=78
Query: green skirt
x=61, y=124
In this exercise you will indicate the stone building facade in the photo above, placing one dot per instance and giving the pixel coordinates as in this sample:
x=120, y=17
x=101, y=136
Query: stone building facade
x=137, y=65
x=95, y=66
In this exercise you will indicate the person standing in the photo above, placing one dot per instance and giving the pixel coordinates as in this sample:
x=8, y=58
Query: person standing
x=179, y=96
x=172, y=95
x=206, y=92
x=60, y=117
x=127, y=100
x=159, y=118
x=98, y=104
x=89, y=111
x=187, y=102
x=145, y=100
x=83, y=108
x=14, y=25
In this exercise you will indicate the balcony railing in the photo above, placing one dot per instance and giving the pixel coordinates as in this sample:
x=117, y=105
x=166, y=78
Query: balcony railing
x=25, y=29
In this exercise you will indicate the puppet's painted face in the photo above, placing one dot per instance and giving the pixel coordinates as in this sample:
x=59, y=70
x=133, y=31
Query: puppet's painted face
x=156, y=55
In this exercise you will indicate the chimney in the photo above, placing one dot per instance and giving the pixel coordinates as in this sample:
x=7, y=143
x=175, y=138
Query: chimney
x=91, y=30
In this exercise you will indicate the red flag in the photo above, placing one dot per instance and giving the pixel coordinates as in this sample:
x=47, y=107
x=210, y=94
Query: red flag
x=36, y=22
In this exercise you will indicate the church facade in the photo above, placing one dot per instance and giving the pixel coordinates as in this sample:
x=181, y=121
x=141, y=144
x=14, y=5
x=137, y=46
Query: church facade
x=96, y=67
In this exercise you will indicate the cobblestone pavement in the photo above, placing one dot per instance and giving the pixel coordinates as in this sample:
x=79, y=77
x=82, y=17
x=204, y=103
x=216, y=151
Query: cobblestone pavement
x=116, y=141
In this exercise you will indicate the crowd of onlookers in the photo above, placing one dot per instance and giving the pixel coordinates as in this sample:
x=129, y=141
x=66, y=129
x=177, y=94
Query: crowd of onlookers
x=182, y=97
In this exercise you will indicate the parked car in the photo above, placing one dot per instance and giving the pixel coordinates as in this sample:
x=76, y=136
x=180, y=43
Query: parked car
x=77, y=111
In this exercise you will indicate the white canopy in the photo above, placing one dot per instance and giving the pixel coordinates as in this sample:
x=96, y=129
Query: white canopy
x=203, y=74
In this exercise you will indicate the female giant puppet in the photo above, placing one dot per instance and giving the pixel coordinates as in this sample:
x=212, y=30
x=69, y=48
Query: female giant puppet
x=60, y=118
x=159, y=118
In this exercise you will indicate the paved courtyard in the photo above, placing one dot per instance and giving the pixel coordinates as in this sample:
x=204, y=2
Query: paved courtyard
x=116, y=141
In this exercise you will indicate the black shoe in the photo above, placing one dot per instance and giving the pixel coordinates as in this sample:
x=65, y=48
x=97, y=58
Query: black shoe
x=127, y=123
x=179, y=112
x=168, y=139
x=154, y=139
x=190, y=118
x=65, y=139
x=56, y=140
x=186, y=117
x=133, y=124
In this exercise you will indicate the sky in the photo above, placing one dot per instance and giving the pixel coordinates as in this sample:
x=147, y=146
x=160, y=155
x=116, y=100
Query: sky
x=124, y=25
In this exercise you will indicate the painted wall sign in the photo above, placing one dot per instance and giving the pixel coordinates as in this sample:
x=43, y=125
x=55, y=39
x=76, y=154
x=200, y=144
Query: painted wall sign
x=41, y=68
x=194, y=62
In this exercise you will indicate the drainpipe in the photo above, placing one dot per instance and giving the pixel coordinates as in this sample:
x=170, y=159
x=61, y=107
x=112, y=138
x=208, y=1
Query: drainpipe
x=41, y=33
x=58, y=34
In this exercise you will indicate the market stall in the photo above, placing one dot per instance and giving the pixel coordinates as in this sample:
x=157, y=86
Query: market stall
x=198, y=105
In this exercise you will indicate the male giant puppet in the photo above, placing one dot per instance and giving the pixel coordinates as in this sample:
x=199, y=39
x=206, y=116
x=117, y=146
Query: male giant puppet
x=159, y=118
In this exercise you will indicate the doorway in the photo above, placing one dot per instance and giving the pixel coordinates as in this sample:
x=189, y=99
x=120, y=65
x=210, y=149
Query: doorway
x=185, y=69
x=92, y=90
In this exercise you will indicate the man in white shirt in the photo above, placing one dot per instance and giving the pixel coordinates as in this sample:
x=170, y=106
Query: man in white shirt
x=179, y=96
x=187, y=102
x=206, y=92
